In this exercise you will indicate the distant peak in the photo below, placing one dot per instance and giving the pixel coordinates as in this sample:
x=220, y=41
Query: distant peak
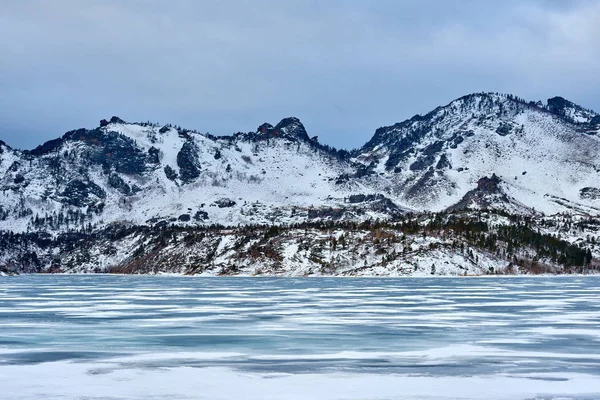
x=289, y=121
x=496, y=102
x=290, y=127
x=557, y=105
x=264, y=128
x=490, y=96
x=574, y=113
x=116, y=120
x=113, y=120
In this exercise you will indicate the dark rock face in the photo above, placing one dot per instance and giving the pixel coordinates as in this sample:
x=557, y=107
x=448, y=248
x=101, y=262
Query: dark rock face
x=422, y=185
x=224, y=203
x=422, y=163
x=109, y=149
x=267, y=131
x=396, y=157
x=403, y=145
x=19, y=179
x=504, y=129
x=363, y=198
x=428, y=156
x=403, y=135
x=292, y=127
x=359, y=198
x=116, y=120
x=188, y=163
x=488, y=194
x=79, y=193
x=170, y=173
x=433, y=148
x=153, y=155
x=264, y=128
x=14, y=167
x=385, y=205
x=489, y=184
x=115, y=181
x=289, y=128
x=590, y=193
x=47, y=147
x=456, y=141
x=329, y=213
x=572, y=112
x=376, y=202
x=201, y=215
x=557, y=105
x=121, y=153
x=443, y=162
x=363, y=170
x=184, y=218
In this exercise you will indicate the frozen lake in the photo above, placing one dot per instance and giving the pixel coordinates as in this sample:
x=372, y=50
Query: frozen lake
x=142, y=337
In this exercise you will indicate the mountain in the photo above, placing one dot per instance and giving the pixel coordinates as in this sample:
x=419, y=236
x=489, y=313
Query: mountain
x=147, y=174
x=546, y=157
x=484, y=151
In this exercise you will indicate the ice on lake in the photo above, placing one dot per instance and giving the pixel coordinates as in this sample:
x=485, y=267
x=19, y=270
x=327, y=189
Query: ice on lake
x=141, y=337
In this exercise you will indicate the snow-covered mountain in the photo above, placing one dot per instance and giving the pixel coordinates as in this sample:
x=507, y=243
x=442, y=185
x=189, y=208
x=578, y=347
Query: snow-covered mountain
x=544, y=158
x=147, y=174
x=157, y=191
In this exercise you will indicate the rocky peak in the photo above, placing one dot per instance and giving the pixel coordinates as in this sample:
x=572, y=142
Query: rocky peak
x=489, y=195
x=116, y=120
x=572, y=112
x=401, y=136
x=492, y=111
x=113, y=120
x=290, y=128
x=489, y=184
x=264, y=128
x=558, y=105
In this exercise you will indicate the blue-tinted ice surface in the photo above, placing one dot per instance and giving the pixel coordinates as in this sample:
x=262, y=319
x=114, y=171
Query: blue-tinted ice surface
x=143, y=337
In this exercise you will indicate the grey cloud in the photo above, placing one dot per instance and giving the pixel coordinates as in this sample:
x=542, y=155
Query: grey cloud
x=344, y=68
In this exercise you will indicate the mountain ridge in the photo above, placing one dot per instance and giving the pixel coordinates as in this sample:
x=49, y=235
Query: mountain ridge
x=423, y=163
x=481, y=152
x=553, y=105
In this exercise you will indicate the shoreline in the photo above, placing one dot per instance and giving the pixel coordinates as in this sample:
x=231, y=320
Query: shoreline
x=240, y=276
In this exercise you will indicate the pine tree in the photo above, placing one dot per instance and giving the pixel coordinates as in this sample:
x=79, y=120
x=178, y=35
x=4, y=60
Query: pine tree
x=588, y=257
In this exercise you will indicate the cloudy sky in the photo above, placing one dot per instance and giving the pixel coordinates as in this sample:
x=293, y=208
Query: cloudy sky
x=343, y=67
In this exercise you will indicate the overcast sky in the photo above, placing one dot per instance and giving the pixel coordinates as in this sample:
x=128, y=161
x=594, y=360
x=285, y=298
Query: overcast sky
x=343, y=67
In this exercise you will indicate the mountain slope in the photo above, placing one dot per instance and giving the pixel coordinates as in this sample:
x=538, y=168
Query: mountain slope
x=488, y=183
x=547, y=157
x=544, y=158
x=456, y=243
x=148, y=174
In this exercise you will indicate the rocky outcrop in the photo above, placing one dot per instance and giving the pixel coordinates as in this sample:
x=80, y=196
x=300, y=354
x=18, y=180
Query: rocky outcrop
x=188, y=162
